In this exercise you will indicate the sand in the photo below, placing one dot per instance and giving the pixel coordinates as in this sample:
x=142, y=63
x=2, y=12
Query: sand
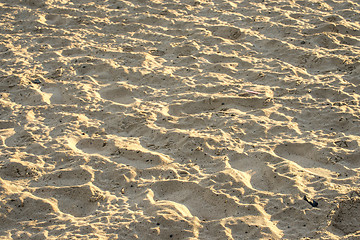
x=191, y=119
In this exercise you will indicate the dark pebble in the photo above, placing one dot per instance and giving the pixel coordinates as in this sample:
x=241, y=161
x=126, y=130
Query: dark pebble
x=36, y=81
x=313, y=203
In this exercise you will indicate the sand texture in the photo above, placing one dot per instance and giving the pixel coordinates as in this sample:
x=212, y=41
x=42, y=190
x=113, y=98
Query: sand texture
x=181, y=119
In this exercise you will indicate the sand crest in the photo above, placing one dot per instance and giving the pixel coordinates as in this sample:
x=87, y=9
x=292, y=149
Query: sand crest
x=193, y=119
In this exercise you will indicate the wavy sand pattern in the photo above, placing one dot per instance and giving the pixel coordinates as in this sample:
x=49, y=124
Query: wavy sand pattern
x=184, y=119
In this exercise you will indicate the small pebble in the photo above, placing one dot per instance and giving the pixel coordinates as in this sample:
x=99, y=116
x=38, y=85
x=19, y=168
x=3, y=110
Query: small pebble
x=313, y=203
x=36, y=81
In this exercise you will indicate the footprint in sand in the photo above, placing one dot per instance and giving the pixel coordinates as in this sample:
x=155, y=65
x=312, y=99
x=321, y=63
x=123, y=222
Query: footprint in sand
x=263, y=171
x=205, y=204
x=79, y=201
x=346, y=217
x=129, y=154
x=227, y=32
x=66, y=177
x=216, y=104
x=312, y=159
x=119, y=93
x=26, y=206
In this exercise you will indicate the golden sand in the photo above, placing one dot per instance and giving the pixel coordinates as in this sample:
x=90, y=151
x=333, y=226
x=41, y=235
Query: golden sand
x=191, y=119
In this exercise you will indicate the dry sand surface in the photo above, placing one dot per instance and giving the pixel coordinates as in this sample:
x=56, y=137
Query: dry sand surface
x=184, y=119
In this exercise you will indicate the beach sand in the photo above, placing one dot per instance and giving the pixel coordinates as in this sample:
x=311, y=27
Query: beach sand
x=191, y=119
